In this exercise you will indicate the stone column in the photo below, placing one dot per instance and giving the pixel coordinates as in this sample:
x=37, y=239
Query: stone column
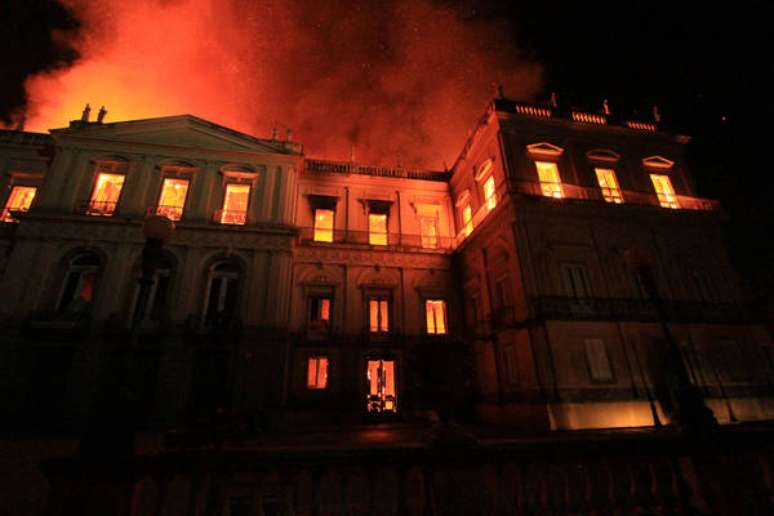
x=135, y=200
x=258, y=283
x=202, y=200
x=267, y=192
x=75, y=187
x=57, y=176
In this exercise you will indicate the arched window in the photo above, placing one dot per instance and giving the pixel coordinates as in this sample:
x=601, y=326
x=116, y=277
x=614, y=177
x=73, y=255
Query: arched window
x=157, y=305
x=221, y=296
x=80, y=283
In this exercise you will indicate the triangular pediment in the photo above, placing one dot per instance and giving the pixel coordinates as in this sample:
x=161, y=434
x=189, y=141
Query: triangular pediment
x=657, y=162
x=181, y=131
x=544, y=149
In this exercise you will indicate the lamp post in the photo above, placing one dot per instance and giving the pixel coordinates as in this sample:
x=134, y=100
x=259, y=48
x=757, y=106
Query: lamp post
x=157, y=231
x=691, y=411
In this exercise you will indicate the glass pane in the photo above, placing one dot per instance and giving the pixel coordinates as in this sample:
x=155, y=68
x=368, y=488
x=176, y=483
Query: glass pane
x=323, y=225
x=325, y=309
x=435, y=311
x=317, y=373
x=609, y=185
x=106, y=192
x=489, y=193
x=429, y=230
x=664, y=191
x=550, y=183
x=172, y=198
x=383, y=316
x=381, y=386
x=467, y=219
x=20, y=200
x=235, y=204
x=373, y=317
x=377, y=228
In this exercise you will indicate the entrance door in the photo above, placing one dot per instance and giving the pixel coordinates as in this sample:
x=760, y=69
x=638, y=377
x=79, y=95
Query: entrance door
x=382, y=397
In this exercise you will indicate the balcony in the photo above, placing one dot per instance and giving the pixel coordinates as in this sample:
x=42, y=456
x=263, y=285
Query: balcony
x=171, y=212
x=230, y=217
x=365, y=239
x=97, y=208
x=586, y=193
x=630, y=309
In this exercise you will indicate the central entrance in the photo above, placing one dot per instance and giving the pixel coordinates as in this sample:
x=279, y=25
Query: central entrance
x=382, y=397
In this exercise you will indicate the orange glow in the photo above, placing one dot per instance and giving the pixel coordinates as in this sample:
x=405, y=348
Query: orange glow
x=149, y=58
x=550, y=182
x=489, y=193
x=377, y=228
x=609, y=185
x=317, y=373
x=381, y=386
x=467, y=220
x=20, y=199
x=435, y=316
x=664, y=191
x=325, y=310
x=104, y=197
x=235, y=204
x=323, y=225
x=429, y=229
x=378, y=316
x=172, y=198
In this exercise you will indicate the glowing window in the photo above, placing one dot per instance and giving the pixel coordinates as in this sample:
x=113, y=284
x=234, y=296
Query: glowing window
x=20, y=200
x=609, y=185
x=172, y=198
x=550, y=182
x=323, y=225
x=80, y=281
x=428, y=227
x=381, y=386
x=490, y=197
x=467, y=220
x=435, y=316
x=235, y=204
x=104, y=197
x=378, y=315
x=664, y=191
x=320, y=310
x=317, y=373
x=377, y=228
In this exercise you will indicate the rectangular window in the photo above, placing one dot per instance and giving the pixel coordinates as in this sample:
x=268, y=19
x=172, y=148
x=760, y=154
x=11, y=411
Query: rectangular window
x=377, y=228
x=664, y=191
x=323, y=225
x=490, y=196
x=378, y=315
x=435, y=316
x=20, y=199
x=574, y=281
x=550, y=182
x=428, y=227
x=467, y=220
x=320, y=310
x=317, y=373
x=598, y=361
x=104, y=197
x=381, y=386
x=172, y=198
x=609, y=185
x=235, y=204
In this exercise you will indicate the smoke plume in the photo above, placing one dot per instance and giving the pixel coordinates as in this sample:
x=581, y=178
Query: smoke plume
x=393, y=80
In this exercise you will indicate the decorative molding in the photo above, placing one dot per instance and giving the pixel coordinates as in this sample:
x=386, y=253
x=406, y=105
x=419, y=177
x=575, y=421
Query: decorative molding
x=462, y=198
x=484, y=169
x=544, y=149
x=659, y=162
x=606, y=155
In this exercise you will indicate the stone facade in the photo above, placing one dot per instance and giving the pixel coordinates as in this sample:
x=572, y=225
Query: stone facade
x=544, y=325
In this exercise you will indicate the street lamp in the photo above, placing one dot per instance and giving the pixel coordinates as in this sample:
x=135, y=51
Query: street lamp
x=157, y=230
x=691, y=409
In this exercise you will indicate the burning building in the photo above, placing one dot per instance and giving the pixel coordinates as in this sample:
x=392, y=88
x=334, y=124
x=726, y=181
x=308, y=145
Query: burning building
x=198, y=321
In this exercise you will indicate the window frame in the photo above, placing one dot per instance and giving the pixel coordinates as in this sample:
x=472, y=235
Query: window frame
x=90, y=210
x=591, y=362
x=213, y=274
x=444, y=316
x=315, y=228
x=550, y=189
x=665, y=199
x=319, y=359
x=379, y=298
x=81, y=270
x=609, y=194
x=5, y=214
x=236, y=182
x=160, y=208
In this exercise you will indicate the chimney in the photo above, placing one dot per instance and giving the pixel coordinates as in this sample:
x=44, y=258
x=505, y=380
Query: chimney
x=86, y=113
x=101, y=115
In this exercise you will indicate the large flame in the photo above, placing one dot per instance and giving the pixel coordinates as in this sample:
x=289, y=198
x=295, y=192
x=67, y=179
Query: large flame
x=393, y=80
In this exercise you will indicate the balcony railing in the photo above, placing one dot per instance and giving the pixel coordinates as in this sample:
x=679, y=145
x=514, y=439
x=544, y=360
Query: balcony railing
x=7, y=215
x=586, y=193
x=593, y=308
x=97, y=208
x=170, y=212
x=365, y=238
x=231, y=217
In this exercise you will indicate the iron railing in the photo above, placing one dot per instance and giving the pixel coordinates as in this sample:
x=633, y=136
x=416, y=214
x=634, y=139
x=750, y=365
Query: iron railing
x=97, y=208
x=230, y=217
x=170, y=212
x=375, y=240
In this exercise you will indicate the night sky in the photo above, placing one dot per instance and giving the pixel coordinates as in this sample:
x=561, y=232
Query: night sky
x=707, y=67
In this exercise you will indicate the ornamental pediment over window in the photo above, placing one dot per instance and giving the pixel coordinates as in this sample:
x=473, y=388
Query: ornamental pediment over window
x=657, y=162
x=544, y=149
x=603, y=155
